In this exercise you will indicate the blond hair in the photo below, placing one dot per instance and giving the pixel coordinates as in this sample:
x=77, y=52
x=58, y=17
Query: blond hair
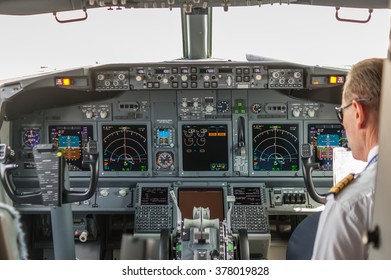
x=364, y=82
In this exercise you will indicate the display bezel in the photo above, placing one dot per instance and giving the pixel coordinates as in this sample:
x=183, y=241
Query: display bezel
x=318, y=173
x=245, y=201
x=47, y=140
x=185, y=173
x=203, y=185
x=275, y=173
x=145, y=173
x=143, y=190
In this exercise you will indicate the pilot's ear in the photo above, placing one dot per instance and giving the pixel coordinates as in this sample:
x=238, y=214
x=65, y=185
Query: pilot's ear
x=359, y=114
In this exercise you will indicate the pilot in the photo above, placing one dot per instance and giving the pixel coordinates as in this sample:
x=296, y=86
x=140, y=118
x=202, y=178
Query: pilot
x=348, y=210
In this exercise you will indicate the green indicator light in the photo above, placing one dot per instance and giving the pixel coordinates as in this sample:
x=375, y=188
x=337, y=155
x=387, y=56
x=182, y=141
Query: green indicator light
x=179, y=247
x=243, y=111
x=240, y=104
x=236, y=111
x=230, y=247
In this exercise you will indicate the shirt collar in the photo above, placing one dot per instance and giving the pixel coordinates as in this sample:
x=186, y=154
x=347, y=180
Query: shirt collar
x=373, y=152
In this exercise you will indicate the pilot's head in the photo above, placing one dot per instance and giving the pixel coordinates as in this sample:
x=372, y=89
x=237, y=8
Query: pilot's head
x=359, y=111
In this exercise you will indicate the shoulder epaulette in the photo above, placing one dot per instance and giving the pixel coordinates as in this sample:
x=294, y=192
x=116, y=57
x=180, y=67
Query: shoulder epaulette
x=342, y=184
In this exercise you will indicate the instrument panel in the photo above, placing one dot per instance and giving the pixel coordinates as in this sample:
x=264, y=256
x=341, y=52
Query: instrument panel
x=220, y=135
x=169, y=123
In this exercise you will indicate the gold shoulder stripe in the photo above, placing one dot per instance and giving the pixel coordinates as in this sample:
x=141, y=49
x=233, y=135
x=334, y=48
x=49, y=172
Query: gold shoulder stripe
x=342, y=184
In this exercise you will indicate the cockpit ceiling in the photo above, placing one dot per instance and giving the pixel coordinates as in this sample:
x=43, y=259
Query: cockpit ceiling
x=30, y=7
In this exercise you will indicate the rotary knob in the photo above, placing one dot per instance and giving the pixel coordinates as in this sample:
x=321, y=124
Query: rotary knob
x=209, y=108
x=296, y=112
x=297, y=75
x=103, y=114
x=311, y=112
x=104, y=193
x=123, y=192
x=275, y=75
x=256, y=108
x=89, y=114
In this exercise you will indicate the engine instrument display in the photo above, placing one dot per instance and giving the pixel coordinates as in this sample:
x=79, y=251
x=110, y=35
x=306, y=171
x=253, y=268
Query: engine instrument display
x=71, y=140
x=275, y=147
x=324, y=138
x=125, y=147
x=205, y=147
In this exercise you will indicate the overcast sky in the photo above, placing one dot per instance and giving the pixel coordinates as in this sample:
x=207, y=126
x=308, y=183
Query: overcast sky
x=303, y=34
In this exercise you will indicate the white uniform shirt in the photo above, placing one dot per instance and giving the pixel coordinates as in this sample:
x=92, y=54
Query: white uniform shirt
x=347, y=217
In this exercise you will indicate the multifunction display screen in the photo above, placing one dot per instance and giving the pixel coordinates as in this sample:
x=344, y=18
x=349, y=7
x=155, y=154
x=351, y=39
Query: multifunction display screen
x=275, y=147
x=125, y=148
x=71, y=140
x=247, y=196
x=205, y=147
x=154, y=196
x=188, y=198
x=324, y=138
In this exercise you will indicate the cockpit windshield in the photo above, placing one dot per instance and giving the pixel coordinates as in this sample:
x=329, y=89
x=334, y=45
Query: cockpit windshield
x=302, y=34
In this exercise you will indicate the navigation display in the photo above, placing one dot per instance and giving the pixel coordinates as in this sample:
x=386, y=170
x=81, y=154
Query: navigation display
x=205, y=147
x=324, y=138
x=154, y=196
x=125, y=148
x=247, y=196
x=188, y=198
x=71, y=141
x=275, y=147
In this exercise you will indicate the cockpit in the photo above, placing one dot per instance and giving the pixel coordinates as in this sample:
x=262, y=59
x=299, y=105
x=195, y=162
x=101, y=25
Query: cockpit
x=190, y=153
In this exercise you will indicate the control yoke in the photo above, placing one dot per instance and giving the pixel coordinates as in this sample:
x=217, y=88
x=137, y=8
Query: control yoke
x=51, y=169
x=7, y=156
x=308, y=167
